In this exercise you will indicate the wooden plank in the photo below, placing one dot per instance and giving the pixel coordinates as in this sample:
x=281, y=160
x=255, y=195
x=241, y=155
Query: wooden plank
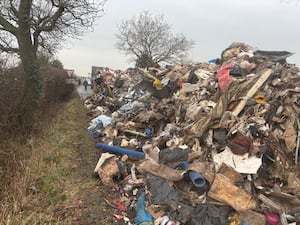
x=261, y=80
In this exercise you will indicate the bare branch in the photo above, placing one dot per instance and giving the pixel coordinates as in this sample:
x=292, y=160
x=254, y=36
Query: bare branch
x=49, y=23
x=13, y=9
x=5, y=25
x=8, y=49
x=6, y=44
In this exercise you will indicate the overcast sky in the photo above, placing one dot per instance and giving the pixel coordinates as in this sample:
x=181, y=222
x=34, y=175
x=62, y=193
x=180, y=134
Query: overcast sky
x=212, y=24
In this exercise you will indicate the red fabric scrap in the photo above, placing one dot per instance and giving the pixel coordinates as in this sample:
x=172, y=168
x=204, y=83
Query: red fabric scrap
x=272, y=218
x=224, y=77
x=119, y=204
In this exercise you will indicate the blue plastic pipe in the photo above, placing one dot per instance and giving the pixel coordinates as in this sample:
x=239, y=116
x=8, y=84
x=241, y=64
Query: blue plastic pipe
x=123, y=151
x=197, y=179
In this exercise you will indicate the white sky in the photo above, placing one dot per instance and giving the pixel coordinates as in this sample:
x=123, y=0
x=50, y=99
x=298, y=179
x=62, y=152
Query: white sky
x=212, y=24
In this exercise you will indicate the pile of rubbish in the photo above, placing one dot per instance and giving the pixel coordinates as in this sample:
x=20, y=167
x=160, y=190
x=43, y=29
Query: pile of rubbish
x=209, y=143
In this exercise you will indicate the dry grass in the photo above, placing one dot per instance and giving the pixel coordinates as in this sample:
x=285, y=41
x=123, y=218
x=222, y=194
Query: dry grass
x=50, y=174
x=16, y=147
x=34, y=190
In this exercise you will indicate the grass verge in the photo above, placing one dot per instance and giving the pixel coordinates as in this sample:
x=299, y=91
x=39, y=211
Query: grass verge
x=53, y=183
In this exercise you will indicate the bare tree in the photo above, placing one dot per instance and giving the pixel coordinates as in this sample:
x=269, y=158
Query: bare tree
x=149, y=40
x=28, y=25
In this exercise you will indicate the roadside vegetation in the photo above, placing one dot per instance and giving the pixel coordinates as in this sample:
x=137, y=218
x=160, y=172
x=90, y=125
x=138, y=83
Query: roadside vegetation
x=45, y=154
x=46, y=172
x=48, y=175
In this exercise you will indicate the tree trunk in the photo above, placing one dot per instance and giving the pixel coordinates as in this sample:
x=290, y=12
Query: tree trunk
x=32, y=76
